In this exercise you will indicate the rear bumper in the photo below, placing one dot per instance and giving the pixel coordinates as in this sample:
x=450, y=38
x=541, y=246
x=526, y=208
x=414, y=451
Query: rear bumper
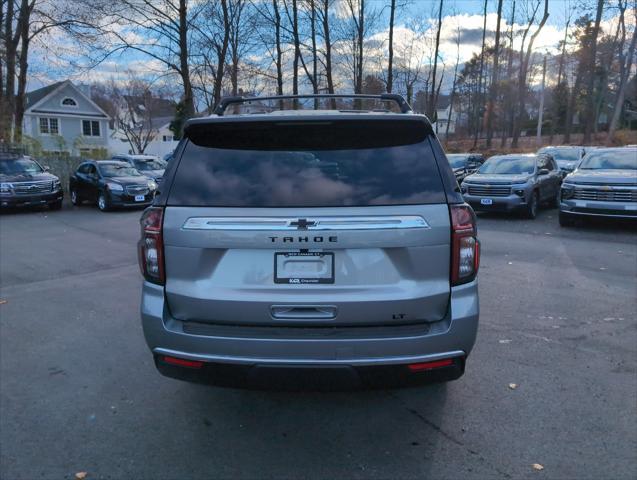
x=10, y=201
x=599, y=209
x=254, y=353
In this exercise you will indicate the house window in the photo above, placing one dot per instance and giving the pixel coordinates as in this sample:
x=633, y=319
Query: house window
x=49, y=126
x=168, y=138
x=69, y=102
x=90, y=128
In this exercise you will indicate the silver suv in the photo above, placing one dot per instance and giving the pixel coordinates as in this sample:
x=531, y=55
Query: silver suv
x=310, y=248
x=604, y=185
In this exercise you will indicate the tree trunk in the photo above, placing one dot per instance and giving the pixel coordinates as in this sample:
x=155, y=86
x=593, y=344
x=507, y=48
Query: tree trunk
x=590, y=80
x=360, y=38
x=627, y=65
x=189, y=99
x=22, y=78
x=477, y=107
x=11, y=39
x=431, y=107
x=506, y=129
x=315, y=84
x=570, y=107
x=279, y=53
x=493, y=94
x=390, y=60
x=328, y=46
x=222, y=53
x=610, y=57
x=297, y=48
x=560, y=72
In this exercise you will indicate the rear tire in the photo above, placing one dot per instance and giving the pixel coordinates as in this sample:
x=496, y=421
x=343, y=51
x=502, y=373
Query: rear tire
x=103, y=203
x=566, y=220
x=531, y=209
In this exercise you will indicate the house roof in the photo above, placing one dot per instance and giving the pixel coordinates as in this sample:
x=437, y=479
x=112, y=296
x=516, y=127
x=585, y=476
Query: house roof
x=35, y=96
x=161, y=107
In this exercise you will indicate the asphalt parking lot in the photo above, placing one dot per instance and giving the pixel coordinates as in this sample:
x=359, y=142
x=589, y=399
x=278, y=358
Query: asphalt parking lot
x=79, y=392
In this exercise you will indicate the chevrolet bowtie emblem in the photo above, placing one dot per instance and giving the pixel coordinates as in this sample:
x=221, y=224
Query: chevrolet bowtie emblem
x=302, y=223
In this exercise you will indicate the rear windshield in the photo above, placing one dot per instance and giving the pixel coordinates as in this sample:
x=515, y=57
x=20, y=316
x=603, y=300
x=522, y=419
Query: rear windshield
x=308, y=165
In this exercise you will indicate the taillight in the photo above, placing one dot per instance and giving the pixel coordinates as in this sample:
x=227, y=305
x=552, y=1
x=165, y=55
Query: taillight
x=465, y=247
x=151, y=246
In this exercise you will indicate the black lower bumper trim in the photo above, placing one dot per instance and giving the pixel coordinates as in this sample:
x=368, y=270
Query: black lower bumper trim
x=309, y=377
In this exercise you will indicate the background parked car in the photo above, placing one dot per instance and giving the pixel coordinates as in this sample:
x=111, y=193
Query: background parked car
x=111, y=184
x=464, y=164
x=604, y=185
x=514, y=182
x=148, y=165
x=567, y=156
x=24, y=182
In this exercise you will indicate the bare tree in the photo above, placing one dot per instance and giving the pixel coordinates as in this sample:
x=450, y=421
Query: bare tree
x=324, y=17
x=135, y=106
x=626, y=64
x=477, y=105
x=390, y=58
x=21, y=23
x=493, y=94
x=507, y=117
x=242, y=27
x=452, y=95
x=590, y=117
x=161, y=32
x=410, y=56
x=560, y=70
x=270, y=30
x=356, y=29
x=523, y=71
x=433, y=97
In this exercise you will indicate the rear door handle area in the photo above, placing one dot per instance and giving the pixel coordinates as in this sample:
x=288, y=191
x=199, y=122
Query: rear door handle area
x=303, y=312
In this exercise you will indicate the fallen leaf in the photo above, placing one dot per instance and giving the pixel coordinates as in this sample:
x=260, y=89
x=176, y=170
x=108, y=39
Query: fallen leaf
x=80, y=475
x=504, y=340
x=538, y=467
x=510, y=263
x=513, y=386
x=2, y=302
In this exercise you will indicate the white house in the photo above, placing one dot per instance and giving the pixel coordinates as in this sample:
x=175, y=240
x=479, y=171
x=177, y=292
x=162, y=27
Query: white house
x=63, y=119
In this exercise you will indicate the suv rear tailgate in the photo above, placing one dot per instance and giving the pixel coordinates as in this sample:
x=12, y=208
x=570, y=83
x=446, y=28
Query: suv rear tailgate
x=392, y=275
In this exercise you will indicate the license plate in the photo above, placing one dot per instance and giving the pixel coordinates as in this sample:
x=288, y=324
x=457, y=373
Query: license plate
x=486, y=201
x=303, y=267
x=140, y=198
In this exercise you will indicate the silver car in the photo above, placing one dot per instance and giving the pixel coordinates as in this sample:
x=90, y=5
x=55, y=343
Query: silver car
x=310, y=249
x=604, y=185
x=566, y=156
x=514, y=183
x=148, y=165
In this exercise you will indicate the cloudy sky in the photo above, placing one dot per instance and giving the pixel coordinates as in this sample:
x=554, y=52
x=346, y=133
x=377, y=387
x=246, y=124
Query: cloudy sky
x=58, y=59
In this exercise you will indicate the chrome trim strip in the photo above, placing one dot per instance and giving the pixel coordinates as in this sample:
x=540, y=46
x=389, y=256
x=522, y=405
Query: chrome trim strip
x=291, y=224
x=311, y=361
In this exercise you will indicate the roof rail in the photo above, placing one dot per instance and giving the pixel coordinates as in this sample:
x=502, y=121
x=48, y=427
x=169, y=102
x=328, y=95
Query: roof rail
x=225, y=102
